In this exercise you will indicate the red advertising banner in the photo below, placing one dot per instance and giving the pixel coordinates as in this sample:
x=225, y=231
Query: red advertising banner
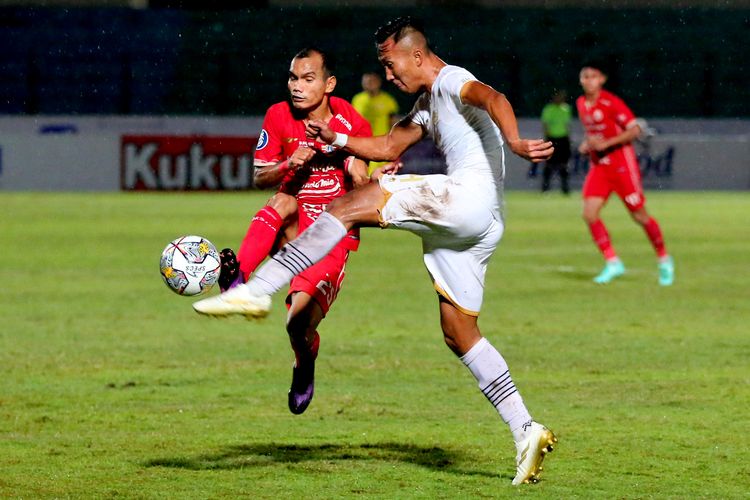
x=186, y=163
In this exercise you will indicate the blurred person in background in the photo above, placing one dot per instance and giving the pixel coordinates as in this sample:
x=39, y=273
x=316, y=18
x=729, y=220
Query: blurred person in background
x=556, y=117
x=377, y=106
x=610, y=129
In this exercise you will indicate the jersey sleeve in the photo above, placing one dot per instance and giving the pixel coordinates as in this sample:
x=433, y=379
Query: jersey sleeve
x=420, y=113
x=455, y=80
x=269, y=150
x=621, y=113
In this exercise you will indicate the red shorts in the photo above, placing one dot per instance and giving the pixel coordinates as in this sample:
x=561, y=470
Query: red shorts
x=323, y=280
x=624, y=178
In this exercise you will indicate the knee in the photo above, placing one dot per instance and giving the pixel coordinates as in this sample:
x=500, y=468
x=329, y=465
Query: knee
x=452, y=342
x=284, y=204
x=338, y=207
x=297, y=323
x=589, y=216
x=640, y=216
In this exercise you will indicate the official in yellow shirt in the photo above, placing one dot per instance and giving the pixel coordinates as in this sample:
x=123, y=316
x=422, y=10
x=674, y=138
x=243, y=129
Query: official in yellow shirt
x=376, y=106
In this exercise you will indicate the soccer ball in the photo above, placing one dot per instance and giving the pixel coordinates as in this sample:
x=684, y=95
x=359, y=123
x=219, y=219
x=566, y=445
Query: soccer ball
x=190, y=265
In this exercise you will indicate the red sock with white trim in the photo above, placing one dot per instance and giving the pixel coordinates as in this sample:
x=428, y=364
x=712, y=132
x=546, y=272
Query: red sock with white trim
x=601, y=238
x=259, y=239
x=653, y=231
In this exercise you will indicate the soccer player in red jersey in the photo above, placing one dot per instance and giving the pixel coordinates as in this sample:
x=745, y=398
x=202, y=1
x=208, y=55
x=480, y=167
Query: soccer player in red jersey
x=310, y=174
x=610, y=128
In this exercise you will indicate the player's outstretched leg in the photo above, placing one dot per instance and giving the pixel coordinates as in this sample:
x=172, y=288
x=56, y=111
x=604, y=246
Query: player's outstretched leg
x=303, y=375
x=253, y=299
x=235, y=301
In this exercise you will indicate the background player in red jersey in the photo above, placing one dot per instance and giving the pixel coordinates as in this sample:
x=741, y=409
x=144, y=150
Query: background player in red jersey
x=310, y=174
x=610, y=128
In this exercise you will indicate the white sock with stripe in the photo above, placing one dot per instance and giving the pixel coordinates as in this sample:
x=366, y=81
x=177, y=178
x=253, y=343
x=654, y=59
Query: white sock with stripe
x=309, y=247
x=493, y=376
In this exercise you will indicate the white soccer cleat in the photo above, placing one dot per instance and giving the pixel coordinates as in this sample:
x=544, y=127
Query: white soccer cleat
x=238, y=300
x=531, y=452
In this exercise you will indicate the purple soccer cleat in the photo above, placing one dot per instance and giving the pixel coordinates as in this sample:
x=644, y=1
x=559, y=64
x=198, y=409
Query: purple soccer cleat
x=303, y=378
x=230, y=275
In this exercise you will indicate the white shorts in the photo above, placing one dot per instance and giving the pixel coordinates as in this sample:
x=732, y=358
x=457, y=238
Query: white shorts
x=458, y=226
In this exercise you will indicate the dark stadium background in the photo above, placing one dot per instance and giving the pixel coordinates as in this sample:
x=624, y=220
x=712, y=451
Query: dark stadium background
x=690, y=61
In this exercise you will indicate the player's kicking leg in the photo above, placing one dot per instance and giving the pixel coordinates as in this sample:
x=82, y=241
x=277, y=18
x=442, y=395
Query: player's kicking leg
x=253, y=299
x=267, y=225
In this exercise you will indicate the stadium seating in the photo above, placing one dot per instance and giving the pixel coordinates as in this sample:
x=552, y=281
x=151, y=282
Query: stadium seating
x=668, y=62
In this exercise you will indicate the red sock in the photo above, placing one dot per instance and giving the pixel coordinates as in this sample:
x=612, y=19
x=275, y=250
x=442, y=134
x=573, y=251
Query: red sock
x=303, y=350
x=654, y=234
x=259, y=240
x=601, y=238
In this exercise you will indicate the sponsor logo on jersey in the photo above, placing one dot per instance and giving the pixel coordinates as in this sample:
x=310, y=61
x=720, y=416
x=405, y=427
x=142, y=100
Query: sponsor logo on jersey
x=262, y=140
x=344, y=121
x=598, y=115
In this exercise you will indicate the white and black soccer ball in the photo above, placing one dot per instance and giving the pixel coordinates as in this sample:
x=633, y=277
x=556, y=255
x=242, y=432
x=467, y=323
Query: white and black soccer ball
x=190, y=265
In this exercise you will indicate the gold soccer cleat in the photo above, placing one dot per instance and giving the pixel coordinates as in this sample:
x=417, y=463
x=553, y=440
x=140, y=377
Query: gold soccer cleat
x=531, y=452
x=236, y=301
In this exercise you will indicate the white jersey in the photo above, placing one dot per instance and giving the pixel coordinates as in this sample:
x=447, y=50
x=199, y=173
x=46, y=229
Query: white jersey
x=466, y=135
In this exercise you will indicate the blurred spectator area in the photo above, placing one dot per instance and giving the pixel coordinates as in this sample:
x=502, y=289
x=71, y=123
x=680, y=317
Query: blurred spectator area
x=690, y=62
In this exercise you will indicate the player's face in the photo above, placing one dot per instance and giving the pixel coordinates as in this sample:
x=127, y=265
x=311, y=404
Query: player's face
x=400, y=66
x=592, y=80
x=371, y=83
x=308, y=84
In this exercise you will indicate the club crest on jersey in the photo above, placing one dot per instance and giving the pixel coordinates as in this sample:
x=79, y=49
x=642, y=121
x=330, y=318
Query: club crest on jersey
x=262, y=140
x=327, y=148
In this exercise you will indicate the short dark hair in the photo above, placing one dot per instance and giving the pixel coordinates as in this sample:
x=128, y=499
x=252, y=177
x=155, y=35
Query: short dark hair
x=598, y=64
x=329, y=63
x=399, y=28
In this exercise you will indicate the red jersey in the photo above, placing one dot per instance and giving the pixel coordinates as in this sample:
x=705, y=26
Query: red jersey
x=324, y=177
x=607, y=117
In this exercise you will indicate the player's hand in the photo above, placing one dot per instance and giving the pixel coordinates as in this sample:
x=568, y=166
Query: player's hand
x=597, y=144
x=583, y=148
x=300, y=157
x=388, y=168
x=316, y=129
x=534, y=150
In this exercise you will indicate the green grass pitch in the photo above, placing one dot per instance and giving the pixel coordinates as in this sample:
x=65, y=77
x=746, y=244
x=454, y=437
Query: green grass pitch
x=110, y=386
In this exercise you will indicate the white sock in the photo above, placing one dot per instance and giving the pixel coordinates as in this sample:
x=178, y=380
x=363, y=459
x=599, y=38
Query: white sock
x=493, y=376
x=309, y=247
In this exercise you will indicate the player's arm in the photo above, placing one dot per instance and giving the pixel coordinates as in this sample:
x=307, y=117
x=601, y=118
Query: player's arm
x=357, y=169
x=627, y=136
x=483, y=96
x=387, y=147
x=271, y=174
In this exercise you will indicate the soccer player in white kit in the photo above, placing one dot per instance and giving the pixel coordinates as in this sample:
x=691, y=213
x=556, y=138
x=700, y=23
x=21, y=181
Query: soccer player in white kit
x=458, y=215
